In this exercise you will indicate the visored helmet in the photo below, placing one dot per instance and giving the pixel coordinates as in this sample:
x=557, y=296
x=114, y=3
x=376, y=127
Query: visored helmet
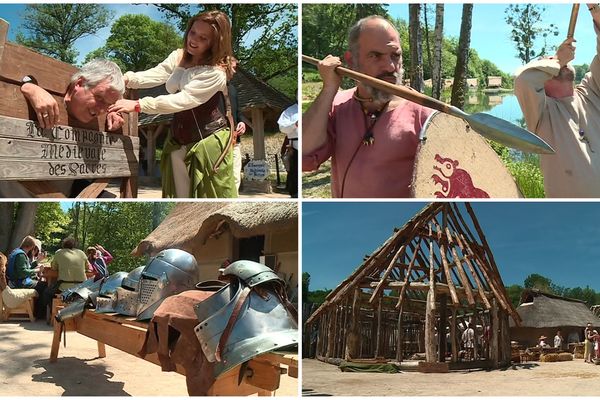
x=132, y=280
x=170, y=272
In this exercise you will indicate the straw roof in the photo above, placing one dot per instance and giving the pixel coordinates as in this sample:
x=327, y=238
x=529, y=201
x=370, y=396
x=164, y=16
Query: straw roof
x=191, y=223
x=545, y=310
x=436, y=248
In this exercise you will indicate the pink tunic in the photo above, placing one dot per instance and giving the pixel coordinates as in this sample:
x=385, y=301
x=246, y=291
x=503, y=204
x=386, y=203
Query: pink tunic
x=383, y=169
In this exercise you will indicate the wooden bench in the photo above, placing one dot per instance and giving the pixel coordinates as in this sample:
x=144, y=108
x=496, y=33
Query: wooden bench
x=126, y=334
x=36, y=157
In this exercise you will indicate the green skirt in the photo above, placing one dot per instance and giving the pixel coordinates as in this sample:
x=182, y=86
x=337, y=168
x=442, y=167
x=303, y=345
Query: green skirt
x=200, y=158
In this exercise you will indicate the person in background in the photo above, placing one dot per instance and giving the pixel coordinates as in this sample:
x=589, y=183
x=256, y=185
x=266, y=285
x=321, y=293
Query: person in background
x=288, y=124
x=558, y=340
x=240, y=126
x=71, y=264
x=22, y=270
x=588, y=345
x=99, y=258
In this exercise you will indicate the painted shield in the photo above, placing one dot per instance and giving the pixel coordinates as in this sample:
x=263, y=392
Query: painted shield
x=453, y=161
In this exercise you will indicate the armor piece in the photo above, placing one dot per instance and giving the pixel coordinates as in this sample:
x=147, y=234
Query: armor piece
x=111, y=283
x=252, y=273
x=73, y=310
x=105, y=304
x=170, y=272
x=240, y=321
x=132, y=280
x=126, y=302
x=82, y=290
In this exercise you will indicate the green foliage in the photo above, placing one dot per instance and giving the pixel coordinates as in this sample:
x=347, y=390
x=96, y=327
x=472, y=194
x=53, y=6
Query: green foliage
x=317, y=296
x=325, y=26
x=305, y=285
x=525, y=169
x=514, y=294
x=52, y=29
x=537, y=281
x=118, y=226
x=271, y=54
x=528, y=29
x=137, y=43
x=580, y=71
x=50, y=224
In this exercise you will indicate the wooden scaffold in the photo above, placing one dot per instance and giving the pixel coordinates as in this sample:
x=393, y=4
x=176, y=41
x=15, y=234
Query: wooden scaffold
x=417, y=293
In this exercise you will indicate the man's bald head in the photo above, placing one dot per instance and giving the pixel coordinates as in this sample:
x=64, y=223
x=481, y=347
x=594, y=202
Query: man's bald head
x=374, y=49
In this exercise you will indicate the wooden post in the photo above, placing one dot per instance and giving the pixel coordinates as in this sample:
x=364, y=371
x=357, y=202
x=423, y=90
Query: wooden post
x=494, y=322
x=330, y=332
x=504, y=344
x=378, y=333
x=399, y=337
x=353, y=334
x=453, y=338
x=258, y=133
x=430, y=327
x=443, y=321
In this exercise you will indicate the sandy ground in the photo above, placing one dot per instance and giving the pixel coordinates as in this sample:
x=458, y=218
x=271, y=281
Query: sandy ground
x=568, y=378
x=25, y=371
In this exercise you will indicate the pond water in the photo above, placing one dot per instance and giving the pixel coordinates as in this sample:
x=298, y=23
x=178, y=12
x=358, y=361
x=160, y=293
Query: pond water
x=502, y=105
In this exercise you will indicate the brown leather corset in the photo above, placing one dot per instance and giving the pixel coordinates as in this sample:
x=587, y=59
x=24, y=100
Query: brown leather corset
x=191, y=126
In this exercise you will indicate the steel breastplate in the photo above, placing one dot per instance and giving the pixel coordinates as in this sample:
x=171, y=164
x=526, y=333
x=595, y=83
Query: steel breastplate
x=262, y=325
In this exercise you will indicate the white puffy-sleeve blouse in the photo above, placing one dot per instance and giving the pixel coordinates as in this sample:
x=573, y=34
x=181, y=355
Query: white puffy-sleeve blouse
x=187, y=87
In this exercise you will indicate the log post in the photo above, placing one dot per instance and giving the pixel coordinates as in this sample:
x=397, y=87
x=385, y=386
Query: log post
x=443, y=322
x=399, y=337
x=430, y=327
x=453, y=339
x=494, y=321
x=378, y=333
x=354, y=333
x=330, y=334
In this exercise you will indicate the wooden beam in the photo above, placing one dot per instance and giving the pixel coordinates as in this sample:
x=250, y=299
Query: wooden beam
x=379, y=288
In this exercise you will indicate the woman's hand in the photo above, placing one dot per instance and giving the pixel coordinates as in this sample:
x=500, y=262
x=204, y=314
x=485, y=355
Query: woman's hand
x=123, y=105
x=46, y=108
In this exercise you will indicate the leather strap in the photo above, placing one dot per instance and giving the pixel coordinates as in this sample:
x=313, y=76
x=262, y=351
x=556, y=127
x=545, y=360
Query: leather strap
x=232, y=320
x=229, y=146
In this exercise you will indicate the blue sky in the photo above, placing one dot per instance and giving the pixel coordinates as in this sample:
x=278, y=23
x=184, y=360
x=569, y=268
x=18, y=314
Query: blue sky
x=490, y=35
x=556, y=239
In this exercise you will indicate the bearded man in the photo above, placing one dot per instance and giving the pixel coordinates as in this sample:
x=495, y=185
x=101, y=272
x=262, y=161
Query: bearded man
x=370, y=135
x=566, y=117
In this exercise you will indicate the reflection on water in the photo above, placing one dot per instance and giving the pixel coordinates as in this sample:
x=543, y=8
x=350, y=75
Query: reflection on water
x=501, y=105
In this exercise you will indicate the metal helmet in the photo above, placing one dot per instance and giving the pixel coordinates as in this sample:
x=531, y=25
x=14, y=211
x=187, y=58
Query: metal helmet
x=252, y=273
x=263, y=324
x=82, y=290
x=132, y=280
x=111, y=283
x=170, y=272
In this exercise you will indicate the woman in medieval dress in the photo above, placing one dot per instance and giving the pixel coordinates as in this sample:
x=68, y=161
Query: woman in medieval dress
x=196, y=159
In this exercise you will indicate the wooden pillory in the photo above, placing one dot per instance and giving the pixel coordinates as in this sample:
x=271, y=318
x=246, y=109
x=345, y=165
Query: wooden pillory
x=433, y=275
x=36, y=157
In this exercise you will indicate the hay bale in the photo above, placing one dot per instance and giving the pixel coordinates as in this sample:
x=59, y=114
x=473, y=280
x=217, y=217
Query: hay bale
x=565, y=357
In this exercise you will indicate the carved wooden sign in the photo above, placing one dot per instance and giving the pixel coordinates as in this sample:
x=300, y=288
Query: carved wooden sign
x=28, y=152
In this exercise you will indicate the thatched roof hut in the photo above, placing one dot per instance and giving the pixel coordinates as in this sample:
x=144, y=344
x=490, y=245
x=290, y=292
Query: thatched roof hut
x=544, y=313
x=435, y=274
x=217, y=231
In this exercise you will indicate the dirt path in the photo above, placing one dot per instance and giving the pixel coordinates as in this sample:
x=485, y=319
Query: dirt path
x=25, y=348
x=569, y=378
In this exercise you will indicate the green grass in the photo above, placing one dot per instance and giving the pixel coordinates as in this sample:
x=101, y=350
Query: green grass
x=317, y=184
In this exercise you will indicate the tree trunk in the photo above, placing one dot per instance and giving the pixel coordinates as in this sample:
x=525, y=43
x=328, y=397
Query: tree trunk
x=7, y=212
x=427, y=37
x=24, y=224
x=436, y=70
x=459, y=88
x=416, y=52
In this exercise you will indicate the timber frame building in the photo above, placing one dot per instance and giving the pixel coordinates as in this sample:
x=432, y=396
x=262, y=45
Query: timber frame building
x=435, y=274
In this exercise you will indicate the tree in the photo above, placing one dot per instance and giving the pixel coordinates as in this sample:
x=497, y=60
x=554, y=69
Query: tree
x=305, y=286
x=52, y=29
x=459, y=88
x=51, y=223
x=137, y=43
x=527, y=29
x=514, y=294
x=264, y=37
x=416, y=51
x=436, y=68
x=580, y=71
x=537, y=281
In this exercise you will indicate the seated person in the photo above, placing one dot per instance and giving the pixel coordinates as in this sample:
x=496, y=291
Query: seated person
x=71, y=264
x=21, y=271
